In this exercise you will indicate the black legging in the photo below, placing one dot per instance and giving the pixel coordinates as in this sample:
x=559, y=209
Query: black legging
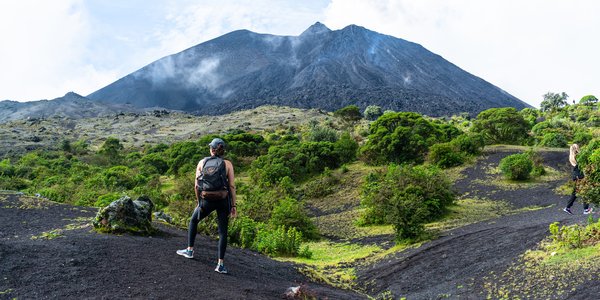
x=574, y=196
x=205, y=208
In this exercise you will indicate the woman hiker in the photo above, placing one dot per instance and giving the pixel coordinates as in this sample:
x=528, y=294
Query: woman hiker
x=576, y=175
x=215, y=190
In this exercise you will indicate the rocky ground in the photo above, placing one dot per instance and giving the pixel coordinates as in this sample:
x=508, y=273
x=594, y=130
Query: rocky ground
x=48, y=251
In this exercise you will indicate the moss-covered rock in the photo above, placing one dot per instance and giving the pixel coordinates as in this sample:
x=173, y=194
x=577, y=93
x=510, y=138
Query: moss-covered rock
x=126, y=215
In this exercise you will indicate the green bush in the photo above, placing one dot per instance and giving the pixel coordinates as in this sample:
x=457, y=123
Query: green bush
x=445, y=155
x=407, y=213
x=372, y=112
x=501, y=126
x=589, y=161
x=279, y=241
x=581, y=138
x=574, y=236
x=516, y=166
x=107, y=199
x=554, y=139
x=538, y=166
x=470, y=144
x=405, y=196
x=400, y=138
x=291, y=214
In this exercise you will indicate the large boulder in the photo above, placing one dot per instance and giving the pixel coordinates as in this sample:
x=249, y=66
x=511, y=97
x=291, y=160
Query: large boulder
x=125, y=215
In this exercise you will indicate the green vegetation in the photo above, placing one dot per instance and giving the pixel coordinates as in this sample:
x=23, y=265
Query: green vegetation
x=405, y=197
x=568, y=258
x=501, y=126
x=380, y=172
x=516, y=166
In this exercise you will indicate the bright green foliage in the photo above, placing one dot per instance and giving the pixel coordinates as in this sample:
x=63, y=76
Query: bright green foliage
x=530, y=115
x=516, y=166
x=538, y=164
x=470, y=144
x=589, y=161
x=405, y=197
x=349, y=114
x=320, y=133
x=300, y=160
x=553, y=101
x=581, y=138
x=589, y=100
x=574, y=236
x=112, y=148
x=554, y=139
x=501, y=126
x=372, y=112
x=454, y=153
x=267, y=239
x=446, y=155
x=400, y=137
x=290, y=213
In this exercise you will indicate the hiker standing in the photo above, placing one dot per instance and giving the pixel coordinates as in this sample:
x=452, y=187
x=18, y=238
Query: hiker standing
x=215, y=190
x=576, y=175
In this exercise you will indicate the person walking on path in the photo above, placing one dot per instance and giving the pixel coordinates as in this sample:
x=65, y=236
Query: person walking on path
x=576, y=175
x=215, y=190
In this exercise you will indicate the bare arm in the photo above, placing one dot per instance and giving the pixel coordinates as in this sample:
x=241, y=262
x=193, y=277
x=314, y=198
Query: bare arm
x=198, y=170
x=231, y=180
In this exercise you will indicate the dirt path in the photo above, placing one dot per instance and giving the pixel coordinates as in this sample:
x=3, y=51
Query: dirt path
x=455, y=265
x=76, y=263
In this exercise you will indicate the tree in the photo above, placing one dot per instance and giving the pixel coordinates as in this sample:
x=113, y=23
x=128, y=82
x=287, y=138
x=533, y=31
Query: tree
x=400, y=137
x=372, y=112
x=349, y=114
x=589, y=100
x=553, y=101
x=501, y=126
x=112, y=148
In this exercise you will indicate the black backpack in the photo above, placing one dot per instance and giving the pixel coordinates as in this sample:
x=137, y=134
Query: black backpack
x=212, y=182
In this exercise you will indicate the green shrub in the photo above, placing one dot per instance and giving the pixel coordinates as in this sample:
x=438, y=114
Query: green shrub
x=581, y=138
x=279, y=241
x=538, y=165
x=589, y=161
x=516, y=166
x=321, y=134
x=408, y=212
x=469, y=144
x=554, y=139
x=574, y=236
x=372, y=112
x=400, y=138
x=107, y=199
x=501, y=126
x=291, y=214
x=405, y=196
x=445, y=155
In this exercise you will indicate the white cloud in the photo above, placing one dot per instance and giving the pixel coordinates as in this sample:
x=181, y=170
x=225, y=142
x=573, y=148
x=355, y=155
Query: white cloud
x=524, y=47
x=44, y=43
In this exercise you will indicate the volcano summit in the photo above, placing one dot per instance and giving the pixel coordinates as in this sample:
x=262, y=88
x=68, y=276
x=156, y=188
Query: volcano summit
x=320, y=68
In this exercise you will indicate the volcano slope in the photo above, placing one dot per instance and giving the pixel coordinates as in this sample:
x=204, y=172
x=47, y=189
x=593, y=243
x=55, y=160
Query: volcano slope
x=466, y=263
x=48, y=251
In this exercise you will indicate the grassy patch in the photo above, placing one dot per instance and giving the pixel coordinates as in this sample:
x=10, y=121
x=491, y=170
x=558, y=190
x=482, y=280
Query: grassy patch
x=498, y=181
x=49, y=235
x=333, y=263
x=343, y=226
x=346, y=194
x=469, y=211
x=546, y=272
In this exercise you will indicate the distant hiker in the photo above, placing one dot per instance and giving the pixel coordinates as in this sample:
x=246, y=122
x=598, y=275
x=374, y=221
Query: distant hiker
x=215, y=190
x=576, y=175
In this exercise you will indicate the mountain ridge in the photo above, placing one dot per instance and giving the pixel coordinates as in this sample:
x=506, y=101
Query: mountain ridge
x=320, y=68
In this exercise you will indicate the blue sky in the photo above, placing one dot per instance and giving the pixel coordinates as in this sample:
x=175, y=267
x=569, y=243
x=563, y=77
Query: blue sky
x=526, y=47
